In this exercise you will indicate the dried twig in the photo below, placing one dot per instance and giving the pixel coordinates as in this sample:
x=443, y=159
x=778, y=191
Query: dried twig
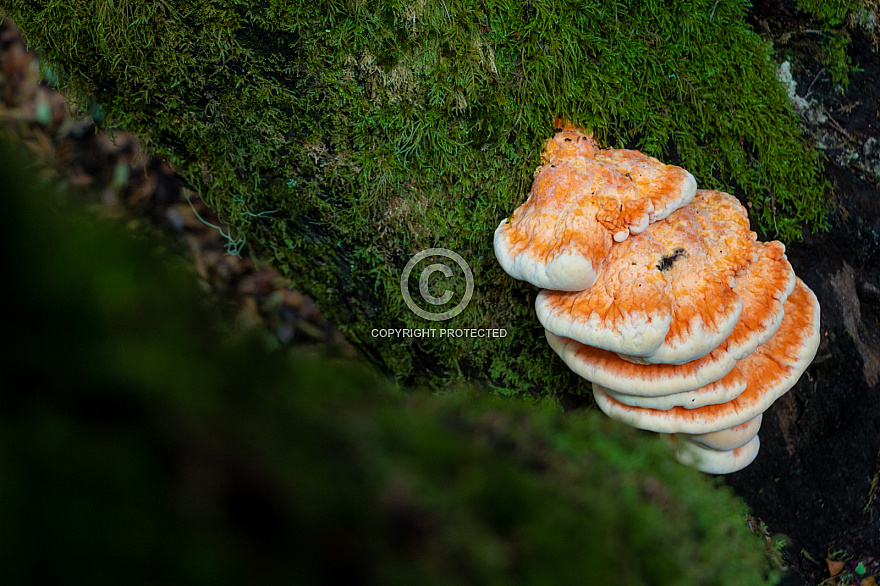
x=810, y=89
x=837, y=125
x=714, y=6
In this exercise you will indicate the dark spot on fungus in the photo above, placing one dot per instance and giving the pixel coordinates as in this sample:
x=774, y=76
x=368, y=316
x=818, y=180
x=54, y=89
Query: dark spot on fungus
x=667, y=261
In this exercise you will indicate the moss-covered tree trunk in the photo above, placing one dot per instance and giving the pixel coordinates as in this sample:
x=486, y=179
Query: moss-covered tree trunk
x=339, y=139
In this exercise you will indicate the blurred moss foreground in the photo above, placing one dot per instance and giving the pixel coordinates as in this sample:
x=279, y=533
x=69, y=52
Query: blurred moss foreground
x=340, y=138
x=137, y=448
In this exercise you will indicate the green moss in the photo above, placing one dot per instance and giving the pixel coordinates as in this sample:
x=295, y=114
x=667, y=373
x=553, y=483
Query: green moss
x=834, y=12
x=374, y=131
x=830, y=17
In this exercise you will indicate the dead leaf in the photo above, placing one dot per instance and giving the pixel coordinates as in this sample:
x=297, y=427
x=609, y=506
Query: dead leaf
x=834, y=568
x=869, y=581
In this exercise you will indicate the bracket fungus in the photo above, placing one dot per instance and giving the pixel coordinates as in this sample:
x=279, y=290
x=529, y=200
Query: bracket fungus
x=718, y=461
x=663, y=298
x=583, y=200
x=666, y=295
x=763, y=286
x=770, y=371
